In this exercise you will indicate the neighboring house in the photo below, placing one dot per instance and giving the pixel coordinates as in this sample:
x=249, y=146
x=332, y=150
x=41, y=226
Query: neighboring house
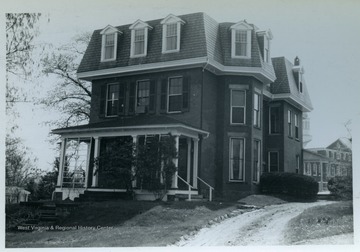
x=326, y=163
x=235, y=112
x=306, y=130
x=16, y=194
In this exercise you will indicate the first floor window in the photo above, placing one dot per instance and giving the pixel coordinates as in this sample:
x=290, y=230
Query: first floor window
x=273, y=161
x=297, y=163
x=175, y=94
x=238, y=103
x=274, y=120
x=314, y=169
x=256, y=110
x=237, y=159
x=112, y=99
x=257, y=160
x=308, y=169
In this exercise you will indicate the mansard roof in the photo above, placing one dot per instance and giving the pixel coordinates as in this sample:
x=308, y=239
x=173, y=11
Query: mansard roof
x=285, y=84
x=202, y=39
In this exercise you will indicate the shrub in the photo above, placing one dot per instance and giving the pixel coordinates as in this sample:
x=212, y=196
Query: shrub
x=291, y=184
x=341, y=187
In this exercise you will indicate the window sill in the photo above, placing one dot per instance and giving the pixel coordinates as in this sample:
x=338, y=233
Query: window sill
x=137, y=56
x=111, y=116
x=257, y=127
x=240, y=57
x=171, y=51
x=236, y=181
x=107, y=60
x=237, y=124
x=174, y=112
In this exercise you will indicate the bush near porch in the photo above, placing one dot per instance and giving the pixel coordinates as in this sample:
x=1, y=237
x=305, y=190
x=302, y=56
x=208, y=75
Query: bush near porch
x=341, y=187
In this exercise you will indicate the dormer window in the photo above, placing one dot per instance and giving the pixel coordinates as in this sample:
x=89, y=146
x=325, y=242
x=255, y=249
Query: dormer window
x=171, y=34
x=139, y=39
x=109, y=43
x=241, y=40
x=298, y=74
x=264, y=38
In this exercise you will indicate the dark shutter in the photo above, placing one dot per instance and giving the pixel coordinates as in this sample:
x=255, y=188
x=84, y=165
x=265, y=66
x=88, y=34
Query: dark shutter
x=163, y=97
x=102, y=105
x=132, y=98
x=186, y=94
x=122, y=98
x=152, y=97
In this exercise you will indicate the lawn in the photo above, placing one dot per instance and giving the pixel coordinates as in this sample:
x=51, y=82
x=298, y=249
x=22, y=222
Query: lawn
x=123, y=224
x=322, y=221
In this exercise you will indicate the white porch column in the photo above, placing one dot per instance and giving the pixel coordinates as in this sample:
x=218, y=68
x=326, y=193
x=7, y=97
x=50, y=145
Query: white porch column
x=87, y=163
x=95, y=177
x=62, y=158
x=135, y=139
x=196, y=158
x=176, y=162
x=188, y=160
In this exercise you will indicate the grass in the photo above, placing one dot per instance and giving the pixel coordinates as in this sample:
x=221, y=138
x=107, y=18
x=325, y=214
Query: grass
x=322, y=221
x=124, y=224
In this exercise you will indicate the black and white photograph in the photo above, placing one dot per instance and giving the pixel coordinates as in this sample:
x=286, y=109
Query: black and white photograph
x=190, y=125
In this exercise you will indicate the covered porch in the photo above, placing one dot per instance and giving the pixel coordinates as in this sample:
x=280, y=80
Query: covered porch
x=82, y=147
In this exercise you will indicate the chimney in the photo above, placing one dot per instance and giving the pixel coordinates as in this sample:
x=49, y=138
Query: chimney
x=296, y=61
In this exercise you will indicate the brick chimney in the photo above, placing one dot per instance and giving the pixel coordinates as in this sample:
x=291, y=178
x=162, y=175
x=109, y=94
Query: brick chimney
x=296, y=61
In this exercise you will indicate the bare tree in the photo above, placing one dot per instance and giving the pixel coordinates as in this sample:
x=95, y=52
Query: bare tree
x=69, y=96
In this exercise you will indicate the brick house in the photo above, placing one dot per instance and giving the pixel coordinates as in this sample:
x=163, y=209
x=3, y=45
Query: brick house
x=235, y=112
x=325, y=163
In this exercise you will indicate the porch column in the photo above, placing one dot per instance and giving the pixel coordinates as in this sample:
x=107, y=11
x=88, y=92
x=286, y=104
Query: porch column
x=188, y=160
x=196, y=158
x=87, y=163
x=134, y=137
x=176, y=162
x=95, y=177
x=61, y=165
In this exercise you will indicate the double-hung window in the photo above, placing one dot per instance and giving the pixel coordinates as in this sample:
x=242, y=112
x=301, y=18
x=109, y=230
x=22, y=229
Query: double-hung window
x=171, y=37
x=273, y=161
x=109, y=43
x=109, y=46
x=175, y=94
x=257, y=160
x=296, y=126
x=238, y=105
x=112, y=100
x=256, y=110
x=274, y=120
x=241, y=43
x=143, y=96
x=171, y=32
x=237, y=159
x=289, y=123
x=241, y=40
x=139, y=42
x=139, y=39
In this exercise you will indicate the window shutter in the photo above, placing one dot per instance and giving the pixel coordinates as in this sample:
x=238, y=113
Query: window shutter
x=122, y=98
x=132, y=98
x=186, y=94
x=152, y=97
x=163, y=98
x=102, y=105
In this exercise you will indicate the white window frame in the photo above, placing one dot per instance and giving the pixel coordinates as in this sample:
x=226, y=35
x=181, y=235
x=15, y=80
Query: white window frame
x=241, y=26
x=289, y=115
x=258, y=154
x=107, y=100
x=139, y=25
x=257, y=113
x=278, y=161
x=169, y=20
x=231, y=106
x=314, y=169
x=168, y=94
x=137, y=95
x=230, y=159
x=109, y=30
x=296, y=123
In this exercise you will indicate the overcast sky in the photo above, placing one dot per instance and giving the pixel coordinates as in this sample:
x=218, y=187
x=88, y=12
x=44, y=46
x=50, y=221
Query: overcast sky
x=325, y=35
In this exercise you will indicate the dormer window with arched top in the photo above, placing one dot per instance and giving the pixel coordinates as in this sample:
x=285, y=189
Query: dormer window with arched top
x=171, y=34
x=241, y=40
x=139, y=39
x=109, y=43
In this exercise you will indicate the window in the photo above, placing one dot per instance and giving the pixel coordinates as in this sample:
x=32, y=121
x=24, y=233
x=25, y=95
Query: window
x=109, y=43
x=296, y=126
x=264, y=39
x=274, y=120
x=266, y=49
x=314, y=168
x=238, y=103
x=257, y=160
x=112, y=100
x=330, y=154
x=256, y=110
x=143, y=96
x=297, y=163
x=175, y=94
x=300, y=83
x=332, y=174
x=289, y=123
x=241, y=40
x=237, y=159
x=308, y=169
x=171, y=34
x=139, y=39
x=273, y=161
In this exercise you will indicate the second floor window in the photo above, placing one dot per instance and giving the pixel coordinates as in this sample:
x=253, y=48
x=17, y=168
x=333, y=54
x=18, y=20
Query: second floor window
x=256, y=110
x=296, y=126
x=273, y=161
x=274, y=120
x=175, y=94
x=112, y=100
x=289, y=123
x=143, y=96
x=238, y=104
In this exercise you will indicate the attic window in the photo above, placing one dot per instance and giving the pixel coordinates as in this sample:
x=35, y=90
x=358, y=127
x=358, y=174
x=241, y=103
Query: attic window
x=264, y=40
x=241, y=40
x=139, y=39
x=109, y=43
x=171, y=34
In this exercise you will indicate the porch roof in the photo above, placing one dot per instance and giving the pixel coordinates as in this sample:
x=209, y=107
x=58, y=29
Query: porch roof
x=135, y=125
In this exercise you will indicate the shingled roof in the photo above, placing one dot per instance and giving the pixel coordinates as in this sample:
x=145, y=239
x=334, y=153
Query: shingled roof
x=201, y=37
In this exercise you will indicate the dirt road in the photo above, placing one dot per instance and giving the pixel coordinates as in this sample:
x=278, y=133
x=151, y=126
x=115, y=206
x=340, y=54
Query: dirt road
x=265, y=226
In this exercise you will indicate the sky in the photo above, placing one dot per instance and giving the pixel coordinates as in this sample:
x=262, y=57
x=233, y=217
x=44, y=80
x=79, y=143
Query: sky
x=323, y=34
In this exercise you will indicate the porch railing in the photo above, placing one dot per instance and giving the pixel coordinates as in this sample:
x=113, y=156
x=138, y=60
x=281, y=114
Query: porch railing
x=210, y=188
x=189, y=186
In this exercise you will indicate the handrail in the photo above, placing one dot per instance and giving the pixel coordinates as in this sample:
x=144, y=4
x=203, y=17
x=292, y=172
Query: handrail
x=190, y=186
x=210, y=188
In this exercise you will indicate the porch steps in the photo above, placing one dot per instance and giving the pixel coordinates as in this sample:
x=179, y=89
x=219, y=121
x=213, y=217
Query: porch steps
x=185, y=197
x=48, y=213
x=102, y=196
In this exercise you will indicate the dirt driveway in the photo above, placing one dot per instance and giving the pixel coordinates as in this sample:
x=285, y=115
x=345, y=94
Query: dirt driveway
x=264, y=226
